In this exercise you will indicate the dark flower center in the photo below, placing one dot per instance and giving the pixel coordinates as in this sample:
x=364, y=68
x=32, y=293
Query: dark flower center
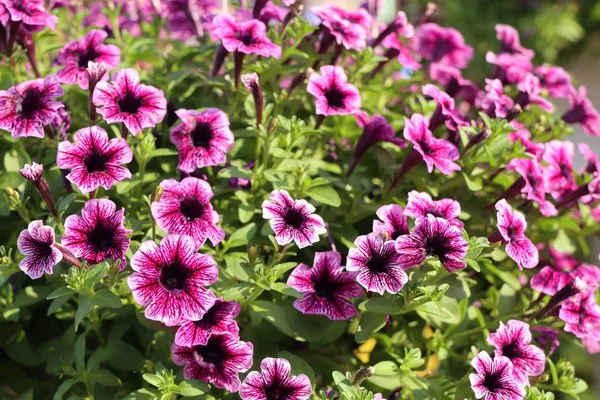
x=324, y=288
x=294, y=218
x=95, y=162
x=191, y=208
x=174, y=276
x=202, y=135
x=32, y=102
x=435, y=212
x=209, y=318
x=335, y=97
x=512, y=351
x=442, y=47
x=86, y=56
x=129, y=103
x=43, y=250
x=425, y=147
x=22, y=7
x=437, y=247
x=213, y=352
x=101, y=237
x=246, y=38
x=564, y=170
x=492, y=381
x=377, y=264
x=277, y=392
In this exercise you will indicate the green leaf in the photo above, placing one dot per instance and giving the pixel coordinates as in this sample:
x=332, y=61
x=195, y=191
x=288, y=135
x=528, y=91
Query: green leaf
x=79, y=353
x=385, y=368
x=299, y=365
x=242, y=236
x=152, y=379
x=95, y=274
x=369, y=323
x=381, y=305
x=106, y=298
x=124, y=356
x=325, y=195
x=105, y=377
x=85, y=307
x=143, y=394
x=60, y=292
x=161, y=153
x=56, y=304
x=189, y=388
x=285, y=289
x=235, y=172
x=64, y=388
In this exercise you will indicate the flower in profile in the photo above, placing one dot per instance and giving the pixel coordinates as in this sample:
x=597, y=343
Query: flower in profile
x=34, y=173
x=494, y=102
x=219, y=361
x=510, y=41
x=582, y=111
x=184, y=209
x=203, y=138
x=25, y=109
x=36, y=243
x=326, y=287
x=127, y=100
x=184, y=17
x=494, y=379
x=512, y=225
x=513, y=341
x=247, y=37
x=559, y=171
x=170, y=280
x=442, y=45
x=438, y=153
x=98, y=234
x=445, y=112
x=581, y=314
x=333, y=94
x=94, y=160
x=533, y=183
x=392, y=221
x=529, y=93
x=454, y=84
x=555, y=80
x=550, y=280
x=76, y=56
x=376, y=262
x=590, y=156
x=217, y=320
x=30, y=12
x=547, y=336
x=292, y=220
x=348, y=28
x=419, y=205
x=536, y=150
x=433, y=236
x=275, y=381
x=252, y=83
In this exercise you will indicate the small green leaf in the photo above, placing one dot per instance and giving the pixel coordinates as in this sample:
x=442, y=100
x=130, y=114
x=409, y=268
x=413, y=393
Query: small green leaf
x=60, y=292
x=64, y=388
x=242, y=236
x=381, y=305
x=191, y=388
x=85, y=307
x=106, y=298
x=105, y=377
x=369, y=323
x=325, y=194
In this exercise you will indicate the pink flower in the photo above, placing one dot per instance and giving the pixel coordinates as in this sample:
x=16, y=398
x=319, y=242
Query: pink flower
x=559, y=172
x=217, y=320
x=170, y=280
x=275, y=381
x=76, y=55
x=421, y=204
x=126, y=100
x=512, y=225
x=326, y=287
x=494, y=379
x=185, y=209
x=392, y=221
x=510, y=68
x=534, y=183
x=25, y=109
x=292, y=220
x=530, y=94
x=403, y=52
x=94, y=160
x=547, y=336
x=348, y=28
x=185, y=17
x=581, y=314
x=454, y=84
x=510, y=42
x=30, y=12
x=582, y=111
x=36, y=243
x=445, y=112
x=248, y=37
x=333, y=94
x=590, y=156
x=536, y=150
x=98, y=234
x=555, y=80
x=494, y=102
x=443, y=45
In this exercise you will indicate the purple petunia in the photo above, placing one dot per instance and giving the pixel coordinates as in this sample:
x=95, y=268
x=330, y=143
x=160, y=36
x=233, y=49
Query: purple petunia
x=185, y=209
x=494, y=379
x=533, y=183
x=292, y=220
x=510, y=41
x=555, y=80
x=392, y=221
x=581, y=314
x=203, y=138
x=559, y=171
x=36, y=243
x=94, y=160
x=126, y=100
x=247, y=37
x=347, y=28
x=220, y=361
x=326, y=287
x=582, y=111
x=30, y=12
x=433, y=236
x=443, y=45
x=217, y=320
x=530, y=93
x=170, y=280
x=26, y=108
x=512, y=225
x=419, y=205
x=494, y=102
x=333, y=94
x=275, y=381
x=445, y=112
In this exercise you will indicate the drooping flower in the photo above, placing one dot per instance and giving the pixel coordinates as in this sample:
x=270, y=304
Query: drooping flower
x=443, y=45
x=34, y=173
x=590, y=156
x=30, y=12
x=419, y=205
x=75, y=56
x=555, y=80
x=454, y=84
x=292, y=220
x=513, y=341
x=376, y=262
x=550, y=280
x=530, y=93
x=36, y=243
x=333, y=94
x=348, y=28
x=127, y=100
x=203, y=138
x=494, y=102
x=445, y=112
x=433, y=236
x=25, y=109
x=581, y=314
x=170, y=280
x=247, y=37
x=547, y=336
x=326, y=287
x=559, y=171
x=219, y=362
x=512, y=226
x=217, y=320
x=98, y=234
x=494, y=379
x=185, y=209
x=510, y=41
x=275, y=381
x=94, y=160
x=532, y=183
x=582, y=111
x=392, y=221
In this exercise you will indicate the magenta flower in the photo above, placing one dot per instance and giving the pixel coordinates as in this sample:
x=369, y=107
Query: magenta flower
x=559, y=172
x=512, y=225
x=185, y=17
x=292, y=219
x=554, y=277
x=442, y=45
x=454, y=84
x=547, y=336
x=275, y=381
x=530, y=90
x=326, y=287
x=582, y=111
x=127, y=100
x=421, y=204
x=333, y=94
x=76, y=55
x=98, y=234
x=392, y=221
x=510, y=41
x=170, y=280
x=555, y=80
x=202, y=138
x=30, y=12
x=219, y=362
x=94, y=160
x=438, y=153
x=494, y=102
x=26, y=108
x=494, y=379
x=581, y=314
x=533, y=183
x=184, y=209
x=349, y=29
x=513, y=341
x=536, y=150
x=247, y=37
x=217, y=320
x=433, y=236
x=36, y=243
x=590, y=156
x=377, y=264
x=445, y=112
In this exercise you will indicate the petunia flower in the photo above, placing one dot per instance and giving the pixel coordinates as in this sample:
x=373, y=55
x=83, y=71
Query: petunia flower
x=433, y=236
x=75, y=56
x=377, y=264
x=34, y=173
x=522, y=135
x=399, y=26
x=445, y=113
x=36, y=243
x=326, y=287
x=442, y=45
x=30, y=12
x=532, y=183
x=348, y=28
x=582, y=111
x=590, y=156
x=555, y=80
x=559, y=171
x=419, y=205
x=185, y=17
x=217, y=320
x=98, y=234
x=203, y=138
x=247, y=37
x=26, y=108
x=494, y=102
x=511, y=226
x=219, y=362
x=529, y=93
x=513, y=341
x=185, y=209
x=510, y=68
x=494, y=379
x=94, y=160
x=126, y=100
x=510, y=41
x=453, y=82
x=333, y=94
x=392, y=221
x=581, y=314
x=292, y=220
x=275, y=381
x=547, y=336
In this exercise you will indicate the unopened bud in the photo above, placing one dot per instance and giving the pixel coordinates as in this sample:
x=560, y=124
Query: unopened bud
x=252, y=254
x=362, y=374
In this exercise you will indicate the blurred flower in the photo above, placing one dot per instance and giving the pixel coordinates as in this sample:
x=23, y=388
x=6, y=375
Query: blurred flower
x=333, y=94
x=511, y=226
x=217, y=320
x=581, y=314
x=454, y=84
x=536, y=150
x=510, y=42
x=558, y=174
x=494, y=102
x=555, y=80
x=36, y=243
x=532, y=183
x=445, y=112
x=530, y=90
x=442, y=45
x=247, y=37
x=347, y=28
x=275, y=381
x=392, y=221
x=419, y=205
x=582, y=111
x=185, y=17
x=30, y=12
x=547, y=336
x=494, y=379
x=242, y=183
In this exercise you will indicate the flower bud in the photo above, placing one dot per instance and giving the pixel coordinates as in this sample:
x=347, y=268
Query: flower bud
x=157, y=194
x=362, y=374
x=252, y=83
x=34, y=173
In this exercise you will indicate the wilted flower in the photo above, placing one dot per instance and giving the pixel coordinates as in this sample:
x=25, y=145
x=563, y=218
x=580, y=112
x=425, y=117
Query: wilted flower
x=582, y=111
x=333, y=94
x=392, y=221
x=217, y=320
x=275, y=381
x=34, y=173
x=511, y=226
x=252, y=83
x=442, y=45
x=36, y=243
x=494, y=379
x=419, y=205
